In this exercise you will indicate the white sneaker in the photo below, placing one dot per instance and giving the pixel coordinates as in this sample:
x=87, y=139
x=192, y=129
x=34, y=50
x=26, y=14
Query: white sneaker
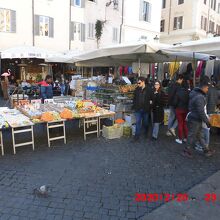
x=172, y=131
x=179, y=141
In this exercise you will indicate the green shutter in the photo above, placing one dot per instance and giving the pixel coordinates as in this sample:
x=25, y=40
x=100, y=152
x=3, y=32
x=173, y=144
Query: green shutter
x=82, y=32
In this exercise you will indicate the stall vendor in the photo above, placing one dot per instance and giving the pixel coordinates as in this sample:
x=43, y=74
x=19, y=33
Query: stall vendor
x=46, y=89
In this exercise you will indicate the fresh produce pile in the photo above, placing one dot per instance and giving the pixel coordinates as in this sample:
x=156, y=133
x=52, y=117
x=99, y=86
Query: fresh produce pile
x=127, y=88
x=50, y=116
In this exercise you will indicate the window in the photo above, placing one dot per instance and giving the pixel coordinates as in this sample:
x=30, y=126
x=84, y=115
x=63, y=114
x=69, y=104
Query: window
x=92, y=0
x=162, y=25
x=91, y=30
x=219, y=8
x=218, y=30
x=211, y=26
x=164, y=4
x=115, y=34
x=145, y=11
x=213, y=4
x=78, y=3
x=205, y=2
x=203, y=23
x=180, y=2
x=77, y=31
x=44, y=26
x=7, y=20
x=178, y=23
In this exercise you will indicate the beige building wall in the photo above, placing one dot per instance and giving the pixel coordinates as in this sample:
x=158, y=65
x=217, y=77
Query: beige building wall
x=191, y=12
x=132, y=29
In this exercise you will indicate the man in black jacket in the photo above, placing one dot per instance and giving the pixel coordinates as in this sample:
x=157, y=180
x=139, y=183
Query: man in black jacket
x=142, y=102
x=172, y=122
x=197, y=115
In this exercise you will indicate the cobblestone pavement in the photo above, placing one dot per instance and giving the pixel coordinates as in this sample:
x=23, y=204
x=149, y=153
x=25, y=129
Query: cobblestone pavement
x=94, y=179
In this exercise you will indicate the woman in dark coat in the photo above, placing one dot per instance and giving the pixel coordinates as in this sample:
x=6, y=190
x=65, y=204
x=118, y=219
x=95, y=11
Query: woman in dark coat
x=158, y=109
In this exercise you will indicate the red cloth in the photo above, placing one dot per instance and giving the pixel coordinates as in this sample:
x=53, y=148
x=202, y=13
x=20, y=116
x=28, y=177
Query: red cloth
x=126, y=70
x=182, y=126
x=199, y=69
x=121, y=70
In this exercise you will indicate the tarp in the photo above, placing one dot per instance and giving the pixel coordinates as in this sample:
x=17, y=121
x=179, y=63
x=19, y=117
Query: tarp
x=126, y=54
x=26, y=52
x=208, y=46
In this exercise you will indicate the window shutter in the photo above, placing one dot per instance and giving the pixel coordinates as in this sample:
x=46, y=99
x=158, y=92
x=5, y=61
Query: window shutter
x=202, y=24
x=141, y=10
x=149, y=12
x=72, y=31
x=175, y=23
x=36, y=25
x=82, y=3
x=51, y=27
x=180, y=22
x=82, y=32
x=13, y=21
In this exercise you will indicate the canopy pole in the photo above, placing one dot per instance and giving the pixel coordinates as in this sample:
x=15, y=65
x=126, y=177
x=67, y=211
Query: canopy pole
x=92, y=72
x=194, y=70
x=139, y=67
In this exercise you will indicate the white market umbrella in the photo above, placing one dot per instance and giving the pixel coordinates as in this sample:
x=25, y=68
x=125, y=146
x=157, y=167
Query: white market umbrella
x=126, y=54
x=26, y=52
x=206, y=46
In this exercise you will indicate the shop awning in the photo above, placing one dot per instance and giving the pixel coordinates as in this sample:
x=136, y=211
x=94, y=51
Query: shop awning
x=26, y=52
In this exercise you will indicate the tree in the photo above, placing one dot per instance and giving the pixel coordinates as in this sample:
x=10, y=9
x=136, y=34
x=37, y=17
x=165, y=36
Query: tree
x=98, y=31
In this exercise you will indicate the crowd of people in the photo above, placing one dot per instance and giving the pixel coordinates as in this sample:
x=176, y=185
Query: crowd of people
x=188, y=111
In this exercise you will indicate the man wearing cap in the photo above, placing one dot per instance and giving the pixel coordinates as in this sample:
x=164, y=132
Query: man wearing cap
x=196, y=117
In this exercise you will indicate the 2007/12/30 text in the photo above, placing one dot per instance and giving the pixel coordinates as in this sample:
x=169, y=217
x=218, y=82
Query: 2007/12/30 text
x=167, y=197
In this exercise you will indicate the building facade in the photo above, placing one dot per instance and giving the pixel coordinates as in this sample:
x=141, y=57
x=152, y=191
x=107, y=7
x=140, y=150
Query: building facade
x=70, y=24
x=186, y=20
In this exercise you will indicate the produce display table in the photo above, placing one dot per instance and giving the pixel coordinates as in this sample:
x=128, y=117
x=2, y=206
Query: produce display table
x=1, y=144
x=86, y=122
x=56, y=124
x=19, y=130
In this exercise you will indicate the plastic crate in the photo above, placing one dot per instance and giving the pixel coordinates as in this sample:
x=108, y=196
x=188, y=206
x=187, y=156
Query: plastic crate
x=112, y=132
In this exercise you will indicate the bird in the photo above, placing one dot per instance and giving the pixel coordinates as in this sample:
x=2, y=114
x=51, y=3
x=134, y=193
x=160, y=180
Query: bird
x=42, y=191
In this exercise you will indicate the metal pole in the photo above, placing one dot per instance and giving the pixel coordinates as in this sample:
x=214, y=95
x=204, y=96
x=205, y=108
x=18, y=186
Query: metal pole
x=194, y=70
x=122, y=21
x=70, y=15
x=33, y=24
x=139, y=67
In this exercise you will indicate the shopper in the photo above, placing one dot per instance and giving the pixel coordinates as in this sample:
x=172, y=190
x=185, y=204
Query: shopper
x=196, y=117
x=142, y=101
x=212, y=98
x=172, y=122
x=46, y=89
x=181, y=102
x=157, y=109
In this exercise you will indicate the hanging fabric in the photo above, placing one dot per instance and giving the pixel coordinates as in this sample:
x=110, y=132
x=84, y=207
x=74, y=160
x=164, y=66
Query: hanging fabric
x=121, y=70
x=173, y=68
x=183, y=67
x=160, y=71
x=209, y=68
x=216, y=70
x=130, y=71
x=126, y=70
x=199, y=69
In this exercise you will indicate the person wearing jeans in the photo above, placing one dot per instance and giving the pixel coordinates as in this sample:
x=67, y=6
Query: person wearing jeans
x=142, y=105
x=157, y=109
x=196, y=117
